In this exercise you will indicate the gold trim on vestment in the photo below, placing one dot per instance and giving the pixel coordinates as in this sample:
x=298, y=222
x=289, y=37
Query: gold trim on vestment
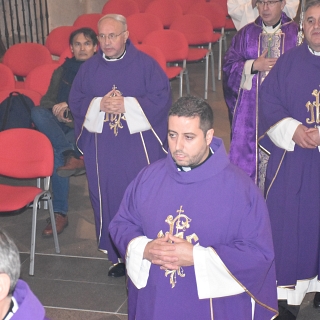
x=246, y=290
x=275, y=175
x=211, y=310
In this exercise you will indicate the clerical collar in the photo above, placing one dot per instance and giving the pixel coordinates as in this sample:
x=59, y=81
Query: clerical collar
x=186, y=169
x=12, y=310
x=316, y=53
x=115, y=59
x=273, y=28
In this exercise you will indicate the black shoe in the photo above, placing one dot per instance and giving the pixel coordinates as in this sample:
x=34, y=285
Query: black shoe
x=316, y=300
x=117, y=270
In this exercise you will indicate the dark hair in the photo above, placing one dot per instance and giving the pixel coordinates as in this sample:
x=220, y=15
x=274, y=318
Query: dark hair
x=88, y=34
x=191, y=107
x=311, y=3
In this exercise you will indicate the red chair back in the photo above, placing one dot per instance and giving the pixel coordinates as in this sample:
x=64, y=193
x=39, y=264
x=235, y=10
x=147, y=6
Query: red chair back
x=186, y=4
x=67, y=53
x=211, y=11
x=155, y=53
x=7, y=80
x=33, y=95
x=21, y=58
x=142, y=4
x=39, y=78
x=29, y=154
x=58, y=39
x=172, y=43
x=166, y=10
x=140, y=24
x=89, y=20
x=197, y=29
x=124, y=7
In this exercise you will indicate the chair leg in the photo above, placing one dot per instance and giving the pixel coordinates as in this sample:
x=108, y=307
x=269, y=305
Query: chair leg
x=33, y=235
x=206, y=77
x=220, y=58
x=212, y=72
x=53, y=223
x=181, y=83
x=187, y=80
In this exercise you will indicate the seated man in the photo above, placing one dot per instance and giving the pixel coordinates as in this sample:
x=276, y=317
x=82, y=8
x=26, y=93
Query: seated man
x=17, y=301
x=195, y=230
x=52, y=119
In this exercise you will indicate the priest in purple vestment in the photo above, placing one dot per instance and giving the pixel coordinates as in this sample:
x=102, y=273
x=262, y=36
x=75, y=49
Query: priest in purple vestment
x=253, y=52
x=289, y=118
x=195, y=231
x=119, y=100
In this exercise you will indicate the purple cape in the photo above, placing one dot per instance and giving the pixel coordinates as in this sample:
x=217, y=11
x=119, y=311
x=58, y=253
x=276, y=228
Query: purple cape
x=242, y=104
x=293, y=178
x=226, y=211
x=113, y=161
x=30, y=307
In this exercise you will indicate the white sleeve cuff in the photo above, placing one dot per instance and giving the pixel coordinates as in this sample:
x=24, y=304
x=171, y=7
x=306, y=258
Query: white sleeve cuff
x=247, y=76
x=281, y=134
x=135, y=117
x=213, y=278
x=94, y=118
x=137, y=267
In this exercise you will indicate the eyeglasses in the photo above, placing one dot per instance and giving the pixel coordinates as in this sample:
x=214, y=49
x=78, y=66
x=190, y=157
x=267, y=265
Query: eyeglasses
x=111, y=36
x=269, y=4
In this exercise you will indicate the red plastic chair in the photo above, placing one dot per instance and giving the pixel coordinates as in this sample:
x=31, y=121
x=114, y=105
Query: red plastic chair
x=89, y=20
x=67, y=53
x=216, y=16
x=58, y=39
x=155, y=53
x=28, y=155
x=186, y=4
x=142, y=4
x=174, y=46
x=140, y=24
x=33, y=95
x=166, y=10
x=124, y=7
x=7, y=80
x=198, y=32
x=21, y=58
x=39, y=78
x=229, y=25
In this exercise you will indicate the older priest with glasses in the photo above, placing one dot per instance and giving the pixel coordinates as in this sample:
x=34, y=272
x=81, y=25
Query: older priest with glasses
x=120, y=101
x=253, y=52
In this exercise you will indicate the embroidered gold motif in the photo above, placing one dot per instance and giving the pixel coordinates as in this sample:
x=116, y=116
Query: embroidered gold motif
x=115, y=119
x=274, y=43
x=179, y=225
x=314, y=108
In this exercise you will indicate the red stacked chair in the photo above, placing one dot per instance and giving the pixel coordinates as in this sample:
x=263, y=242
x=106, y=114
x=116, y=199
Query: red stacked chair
x=155, y=53
x=21, y=58
x=140, y=24
x=39, y=78
x=174, y=46
x=166, y=10
x=216, y=16
x=124, y=7
x=198, y=32
x=58, y=39
x=89, y=20
x=7, y=80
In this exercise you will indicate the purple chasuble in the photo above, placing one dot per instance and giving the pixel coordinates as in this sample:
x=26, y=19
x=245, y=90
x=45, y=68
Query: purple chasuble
x=293, y=177
x=112, y=161
x=242, y=103
x=30, y=307
x=222, y=209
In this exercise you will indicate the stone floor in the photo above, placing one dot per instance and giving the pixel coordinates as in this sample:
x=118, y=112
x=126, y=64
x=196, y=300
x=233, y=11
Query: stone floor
x=74, y=284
